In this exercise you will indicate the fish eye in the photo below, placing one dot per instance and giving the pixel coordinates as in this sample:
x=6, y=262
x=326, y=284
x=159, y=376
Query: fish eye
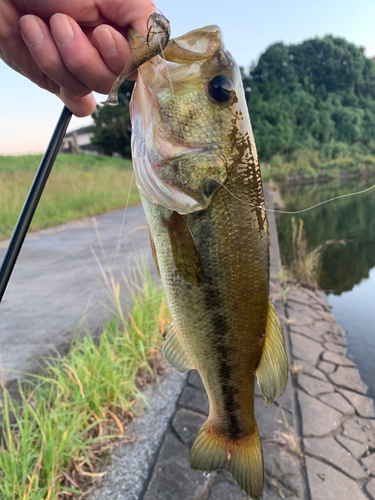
x=221, y=88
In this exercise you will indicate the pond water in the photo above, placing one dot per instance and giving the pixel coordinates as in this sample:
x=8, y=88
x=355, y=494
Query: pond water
x=347, y=269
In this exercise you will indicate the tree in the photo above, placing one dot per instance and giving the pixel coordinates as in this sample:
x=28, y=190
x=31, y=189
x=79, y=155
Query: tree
x=307, y=95
x=112, y=129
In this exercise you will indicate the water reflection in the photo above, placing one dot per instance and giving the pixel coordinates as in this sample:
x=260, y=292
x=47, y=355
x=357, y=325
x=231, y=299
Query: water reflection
x=347, y=271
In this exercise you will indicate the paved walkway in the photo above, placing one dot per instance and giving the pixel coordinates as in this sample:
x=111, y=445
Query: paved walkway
x=57, y=283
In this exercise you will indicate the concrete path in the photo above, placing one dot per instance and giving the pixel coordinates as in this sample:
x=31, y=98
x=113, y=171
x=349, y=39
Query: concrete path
x=57, y=283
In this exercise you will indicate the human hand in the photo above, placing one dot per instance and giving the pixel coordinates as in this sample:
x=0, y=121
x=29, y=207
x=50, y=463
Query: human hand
x=70, y=47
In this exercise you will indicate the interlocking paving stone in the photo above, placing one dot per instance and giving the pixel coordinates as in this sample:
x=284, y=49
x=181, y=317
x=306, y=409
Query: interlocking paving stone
x=195, y=380
x=302, y=296
x=274, y=490
x=327, y=316
x=318, y=296
x=326, y=483
x=271, y=419
x=307, y=369
x=299, y=296
x=337, y=359
x=195, y=400
x=225, y=490
x=305, y=349
x=187, y=424
x=318, y=419
x=331, y=451
x=369, y=463
x=302, y=315
x=286, y=400
x=313, y=386
x=339, y=349
x=283, y=465
x=338, y=402
x=363, y=404
x=354, y=447
x=322, y=327
x=307, y=331
x=326, y=367
x=173, y=479
x=348, y=378
x=360, y=429
x=370, y=488
x=336, y=338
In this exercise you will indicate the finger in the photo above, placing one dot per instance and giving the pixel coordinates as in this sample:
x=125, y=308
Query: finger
x=134, y=13
x=113, y=47
x=79, y=56
x=90, y=12
x=79, y=106
x=39, y=41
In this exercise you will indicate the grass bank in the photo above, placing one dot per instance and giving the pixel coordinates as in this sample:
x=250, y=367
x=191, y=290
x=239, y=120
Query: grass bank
x=79, y=185
x=71, y=415
x=310, y=166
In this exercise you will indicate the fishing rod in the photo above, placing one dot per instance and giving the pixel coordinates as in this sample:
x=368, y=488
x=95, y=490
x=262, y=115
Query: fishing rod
x=32, y=200
x=157, y=39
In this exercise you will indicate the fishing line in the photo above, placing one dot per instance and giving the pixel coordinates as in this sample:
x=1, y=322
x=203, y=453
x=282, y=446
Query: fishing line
x=297, y=211
x=322, y=202
x=247, y=202
x=123, y=220
x=110, y=268
x=173, y=95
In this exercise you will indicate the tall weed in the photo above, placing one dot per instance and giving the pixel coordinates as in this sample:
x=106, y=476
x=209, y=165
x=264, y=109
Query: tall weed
x=70, y=414
x=305, y=263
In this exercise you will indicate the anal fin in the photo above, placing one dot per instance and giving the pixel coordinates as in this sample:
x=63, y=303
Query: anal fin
x=174, y=352
x=272, y=370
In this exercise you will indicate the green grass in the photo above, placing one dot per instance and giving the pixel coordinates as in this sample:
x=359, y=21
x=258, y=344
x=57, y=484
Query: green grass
x=79, y=186
x=70, y=415
x=312, y=165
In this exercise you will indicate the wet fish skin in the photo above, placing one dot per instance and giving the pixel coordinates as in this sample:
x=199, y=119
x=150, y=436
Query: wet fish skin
x=197, y=170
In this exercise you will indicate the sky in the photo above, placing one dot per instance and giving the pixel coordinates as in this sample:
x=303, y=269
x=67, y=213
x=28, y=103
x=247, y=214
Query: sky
x=28, y=114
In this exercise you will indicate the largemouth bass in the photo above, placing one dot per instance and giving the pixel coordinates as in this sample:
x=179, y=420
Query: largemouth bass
x=197, y=171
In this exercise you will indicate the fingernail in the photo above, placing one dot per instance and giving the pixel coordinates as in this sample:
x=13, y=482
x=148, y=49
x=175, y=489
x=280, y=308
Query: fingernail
x=61, y=28
x=31, y=30
x=105, y=40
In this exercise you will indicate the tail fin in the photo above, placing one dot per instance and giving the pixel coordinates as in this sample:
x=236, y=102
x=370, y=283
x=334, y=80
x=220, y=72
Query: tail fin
x=242, y=458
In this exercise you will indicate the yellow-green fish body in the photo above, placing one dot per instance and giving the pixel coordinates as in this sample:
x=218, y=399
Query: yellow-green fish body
x=197, y=170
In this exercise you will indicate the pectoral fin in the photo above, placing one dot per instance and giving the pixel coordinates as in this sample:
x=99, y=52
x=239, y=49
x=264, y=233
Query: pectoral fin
x=186, y=255
x=272, y=370
x=153, y=249
x=174, y=352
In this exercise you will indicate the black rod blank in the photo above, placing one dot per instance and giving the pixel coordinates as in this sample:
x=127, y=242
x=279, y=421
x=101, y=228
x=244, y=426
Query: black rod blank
x=32, y=200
